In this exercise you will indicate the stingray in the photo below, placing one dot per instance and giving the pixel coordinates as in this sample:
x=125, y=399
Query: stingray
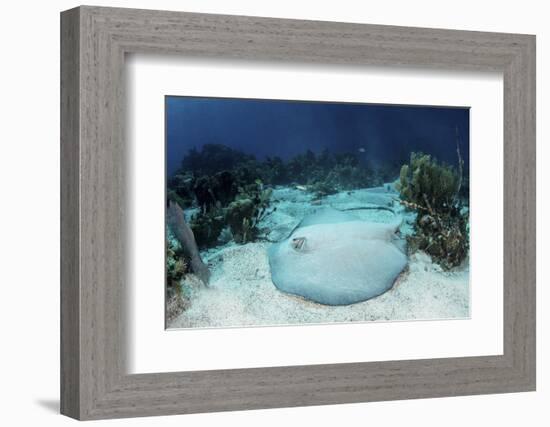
x=335, y=258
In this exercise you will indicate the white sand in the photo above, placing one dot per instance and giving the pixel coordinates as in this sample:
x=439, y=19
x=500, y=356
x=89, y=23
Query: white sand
x=241, y=292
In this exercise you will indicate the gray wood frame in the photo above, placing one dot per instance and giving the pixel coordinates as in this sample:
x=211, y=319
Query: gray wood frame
x=94, y=382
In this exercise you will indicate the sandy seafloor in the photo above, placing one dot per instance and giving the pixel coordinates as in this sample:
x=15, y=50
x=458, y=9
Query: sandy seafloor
x=241, y=293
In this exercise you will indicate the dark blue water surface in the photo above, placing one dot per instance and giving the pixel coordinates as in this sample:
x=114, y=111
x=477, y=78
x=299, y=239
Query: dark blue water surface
x=379, y=133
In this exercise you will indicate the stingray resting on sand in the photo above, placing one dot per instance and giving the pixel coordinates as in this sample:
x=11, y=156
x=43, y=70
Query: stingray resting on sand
x=335, y=258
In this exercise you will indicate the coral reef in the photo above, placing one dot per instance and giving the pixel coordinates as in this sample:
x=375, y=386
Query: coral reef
x=239, y=214
x=213, y=158
x=247, y=210
x=274, y=171
x=213, y=191
x=180, y=188
x=337, y=172
x=176, y=269
x=232, y=190
x=207, y=226
x=176, y=265
x=432, y=190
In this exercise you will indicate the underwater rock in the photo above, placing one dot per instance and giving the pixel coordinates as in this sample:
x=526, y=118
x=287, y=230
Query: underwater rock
x=225, y=236
x=334, y=258
x=183, y=233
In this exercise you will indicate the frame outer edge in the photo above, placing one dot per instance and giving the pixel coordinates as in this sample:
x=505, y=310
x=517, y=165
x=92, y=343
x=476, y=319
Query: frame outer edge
x=89, y=390
x=520, y=216
x=70, y=396
x=527, y=77
x=532, y=137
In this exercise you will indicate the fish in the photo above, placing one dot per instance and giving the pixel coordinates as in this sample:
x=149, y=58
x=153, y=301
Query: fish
x=362, y=150
x=335, y=258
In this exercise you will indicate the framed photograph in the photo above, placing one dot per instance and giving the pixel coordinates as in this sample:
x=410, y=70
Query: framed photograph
x=262, y=213
x=321, y=201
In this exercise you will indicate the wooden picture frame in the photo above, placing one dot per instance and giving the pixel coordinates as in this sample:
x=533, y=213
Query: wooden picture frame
x=94, y=382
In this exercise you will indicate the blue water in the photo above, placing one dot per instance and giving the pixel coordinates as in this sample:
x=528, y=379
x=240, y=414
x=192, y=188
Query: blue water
x=379, y=134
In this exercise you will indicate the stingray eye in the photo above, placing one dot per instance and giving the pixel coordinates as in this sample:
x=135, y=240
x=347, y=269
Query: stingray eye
x=298, y=243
